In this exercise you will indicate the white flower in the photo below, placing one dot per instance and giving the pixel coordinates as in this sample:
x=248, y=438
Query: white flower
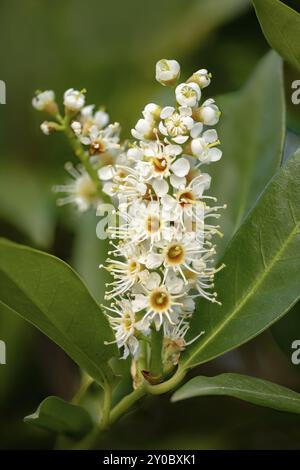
x=143, y=222
x=204, y=147
x=188, y=94
x=158, y=159
x=208, y=113
x=82, y=191
x=102, y=140
x=203, y=281
x=126, y=327
x=174, y=340
x=143, y=129
x=125, y=273
x=167, y=71
x=74, y=100
x=202, y=77
x=176, y=124
x=45, y=101
x=160, y=299
x=177, y=256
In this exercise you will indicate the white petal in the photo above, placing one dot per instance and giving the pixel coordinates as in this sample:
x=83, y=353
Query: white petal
x=201, y=184
x=106, y=172
x=166, y=112
x=153, y=281
x=134, y=346
x=139, y=302
x=168, y=201
x=185, y=110
x=153, y=260
x=181, y=139
x=181, y=167
x=143, y=126
x=196, y=130
x=174, y=284
x=108, y=188
x=161, y=187
x=135, y=153
x=177, y=182
x=215, y=154
x=210, y=136
x=85, y=140
x=101, y=119
x=188, y=121
x=173, y=150
x=198, y=146
x=136, y=134
x=162, y=128
x=141, y=188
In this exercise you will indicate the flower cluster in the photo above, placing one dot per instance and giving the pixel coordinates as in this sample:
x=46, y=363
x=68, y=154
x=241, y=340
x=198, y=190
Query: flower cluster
x=94, y=140
x=162, y=255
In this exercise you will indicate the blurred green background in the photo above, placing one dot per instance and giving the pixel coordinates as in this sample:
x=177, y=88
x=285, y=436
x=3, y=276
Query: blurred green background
x=110, y=48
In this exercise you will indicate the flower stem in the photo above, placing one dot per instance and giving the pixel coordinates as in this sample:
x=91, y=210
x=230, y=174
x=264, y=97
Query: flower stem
x=105, y=421
x=82, y=155
x=126, y=403
x=156, y=352
x=168, y=385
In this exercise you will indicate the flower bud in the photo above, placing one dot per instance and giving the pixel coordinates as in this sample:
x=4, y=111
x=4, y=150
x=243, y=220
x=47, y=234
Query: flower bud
x=74, y=100
x=76, y=127
x=201, y=77
x=208, y=113
x=188, y=94
x=45, y=101
x=152, y=111
x=167, y=72
x=143, y=130
x=48, y=127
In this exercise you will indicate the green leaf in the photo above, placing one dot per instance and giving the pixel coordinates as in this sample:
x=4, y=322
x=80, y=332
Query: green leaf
x=256, y=391
x=29, y=206
x=252, y=139
x=261, y=281
x=47, y=292
x=281, y=27
x=59, y=416
x=89, y=252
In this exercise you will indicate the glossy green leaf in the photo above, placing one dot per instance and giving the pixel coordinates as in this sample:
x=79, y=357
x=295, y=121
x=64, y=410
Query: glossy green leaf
x=281, y=27
x=256, y=391
x=252, y=139
x=261, y=281
x=59, y=416
x=47, y=292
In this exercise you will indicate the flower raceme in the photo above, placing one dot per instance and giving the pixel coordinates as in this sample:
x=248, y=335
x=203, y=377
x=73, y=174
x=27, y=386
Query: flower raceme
x=162, y=255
